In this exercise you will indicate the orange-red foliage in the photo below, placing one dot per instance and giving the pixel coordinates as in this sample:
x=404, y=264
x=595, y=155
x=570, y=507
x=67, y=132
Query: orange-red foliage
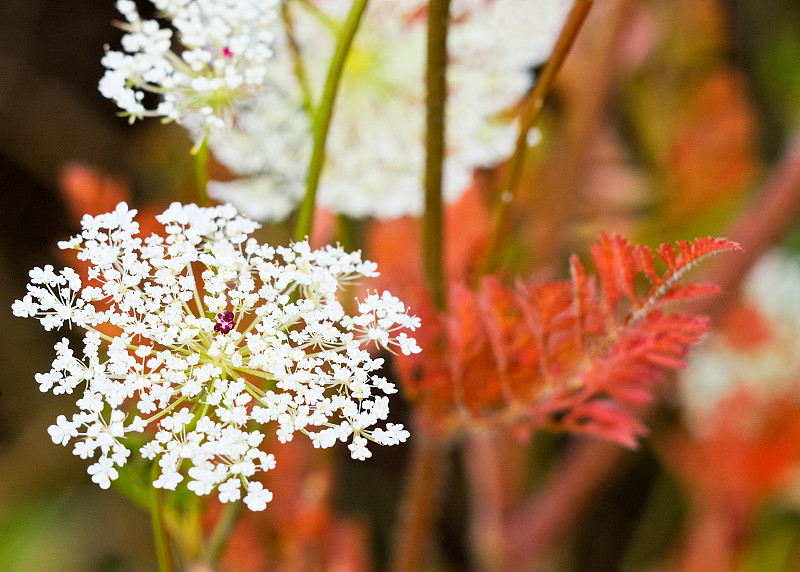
x=87, y=191
x=746, y=328
x=576, y=355
x=712, y=151
x=748, y=451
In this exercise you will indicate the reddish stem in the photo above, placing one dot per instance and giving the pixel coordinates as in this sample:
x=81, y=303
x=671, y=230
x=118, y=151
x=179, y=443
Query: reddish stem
x=487, y=494
x=421, y=500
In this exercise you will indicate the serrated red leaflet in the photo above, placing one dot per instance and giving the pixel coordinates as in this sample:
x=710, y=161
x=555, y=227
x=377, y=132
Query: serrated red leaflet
x=580, y=296
x=645, y=262
x=615, y=266
x=667, y=253
x=692, y=251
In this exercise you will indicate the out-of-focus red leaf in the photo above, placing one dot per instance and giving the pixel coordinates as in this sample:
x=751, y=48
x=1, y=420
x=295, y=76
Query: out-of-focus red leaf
x=744, y=453
x=712, y=151
x=88, y=191
x=745, y=328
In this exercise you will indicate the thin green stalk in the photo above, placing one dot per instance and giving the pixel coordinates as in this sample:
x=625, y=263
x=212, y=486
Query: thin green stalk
x=222, y=531
x=530, y=115
x=322, y=17
x=323, y=115
x=201, y=172
x=433, y=218
x=163, y=552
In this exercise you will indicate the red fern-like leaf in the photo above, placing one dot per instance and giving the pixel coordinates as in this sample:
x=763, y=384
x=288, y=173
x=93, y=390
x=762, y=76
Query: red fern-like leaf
x=564, y=355
x=678, y=262
x=614, y=260
x=618, y=264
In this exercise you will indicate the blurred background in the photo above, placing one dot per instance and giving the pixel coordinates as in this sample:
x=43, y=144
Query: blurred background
x=667, y=122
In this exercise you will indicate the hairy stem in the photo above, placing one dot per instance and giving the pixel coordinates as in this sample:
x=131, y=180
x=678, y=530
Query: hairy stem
x=420, y=504
x=323, y=115
x=433, y=218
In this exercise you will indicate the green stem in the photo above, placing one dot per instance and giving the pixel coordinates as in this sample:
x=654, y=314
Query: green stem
x=530, y=115
x=432, y=223
x=168, y=409
x=163, y=553
x=323, y=115
x=201, y=172
x=222, y=530
x=322, y=17
x=347, y=232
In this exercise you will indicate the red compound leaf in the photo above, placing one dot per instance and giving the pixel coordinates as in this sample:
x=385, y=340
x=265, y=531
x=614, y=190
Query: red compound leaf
x=579, y=355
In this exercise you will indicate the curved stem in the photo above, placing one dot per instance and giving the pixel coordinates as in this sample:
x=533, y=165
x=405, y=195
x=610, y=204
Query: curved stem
x=530, y=115
x=201, y=172
x=433, y=218
x=163, y=552
x=322, y=118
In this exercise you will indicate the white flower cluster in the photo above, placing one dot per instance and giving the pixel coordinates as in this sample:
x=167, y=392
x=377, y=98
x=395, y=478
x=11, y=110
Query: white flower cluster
x=197, y=338
x=224, y=50
x=378, y=127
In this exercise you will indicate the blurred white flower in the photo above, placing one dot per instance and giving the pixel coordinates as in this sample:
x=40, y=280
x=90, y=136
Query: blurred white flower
x=375, y=148
x=267, y=148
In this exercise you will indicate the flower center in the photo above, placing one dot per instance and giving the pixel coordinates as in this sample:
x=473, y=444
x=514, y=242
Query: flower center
x=224, y=323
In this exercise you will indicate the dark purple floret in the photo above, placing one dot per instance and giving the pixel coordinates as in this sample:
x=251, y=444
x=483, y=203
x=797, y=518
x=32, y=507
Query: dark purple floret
x=224, y=323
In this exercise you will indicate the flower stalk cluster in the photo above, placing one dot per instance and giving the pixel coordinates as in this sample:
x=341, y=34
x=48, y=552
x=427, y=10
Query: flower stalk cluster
x=198, y=338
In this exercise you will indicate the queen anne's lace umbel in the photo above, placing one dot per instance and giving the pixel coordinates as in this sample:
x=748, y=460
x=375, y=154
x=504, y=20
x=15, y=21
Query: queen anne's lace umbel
x=197, y=338
x=224, y=49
